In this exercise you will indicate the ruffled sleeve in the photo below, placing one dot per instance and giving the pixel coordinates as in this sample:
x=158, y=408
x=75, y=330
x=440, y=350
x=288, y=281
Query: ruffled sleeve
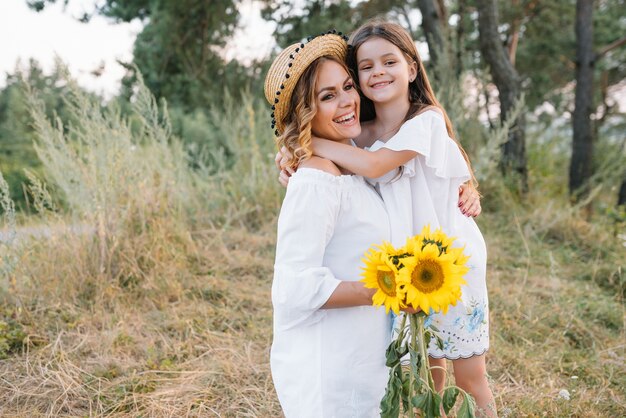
x=426, y=134
x=305, y=226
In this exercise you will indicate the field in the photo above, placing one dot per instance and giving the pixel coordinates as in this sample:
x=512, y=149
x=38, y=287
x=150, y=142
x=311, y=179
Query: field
x=163, y=307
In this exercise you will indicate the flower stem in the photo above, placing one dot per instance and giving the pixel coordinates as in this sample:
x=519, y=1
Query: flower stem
x=401, y=331
x=425, y=369
x=412, y=350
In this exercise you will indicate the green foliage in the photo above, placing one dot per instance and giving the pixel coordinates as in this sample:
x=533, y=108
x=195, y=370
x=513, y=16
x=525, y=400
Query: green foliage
x=246, y=189
x=16, y=134
x=318, y=16
x=315, y=17
x=8, y=258
x=179, y=51
x=545, y=55
x=413, y=386
x=449, y=398
x=12, y=337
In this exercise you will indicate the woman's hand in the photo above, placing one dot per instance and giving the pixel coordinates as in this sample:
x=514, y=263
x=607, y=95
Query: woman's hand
x=469, y=200
x=281, y=160
x=410, y=310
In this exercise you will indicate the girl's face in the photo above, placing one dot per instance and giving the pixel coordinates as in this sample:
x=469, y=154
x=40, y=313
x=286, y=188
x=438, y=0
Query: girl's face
x=337, y=102
x=384, y=73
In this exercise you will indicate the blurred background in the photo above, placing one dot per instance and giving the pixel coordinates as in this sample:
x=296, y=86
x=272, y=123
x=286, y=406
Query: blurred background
x=139, y=196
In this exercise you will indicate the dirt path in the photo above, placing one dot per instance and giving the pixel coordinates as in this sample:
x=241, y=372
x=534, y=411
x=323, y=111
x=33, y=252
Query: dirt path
x=11, y=237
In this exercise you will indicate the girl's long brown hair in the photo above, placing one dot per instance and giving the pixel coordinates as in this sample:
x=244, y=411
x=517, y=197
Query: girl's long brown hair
x=421, y=95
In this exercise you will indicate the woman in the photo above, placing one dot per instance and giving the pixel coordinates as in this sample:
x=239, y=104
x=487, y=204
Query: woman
x=328, y=352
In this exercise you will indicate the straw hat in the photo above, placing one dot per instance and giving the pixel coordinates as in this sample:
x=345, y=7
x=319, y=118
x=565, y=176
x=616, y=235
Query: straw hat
x=289, y=66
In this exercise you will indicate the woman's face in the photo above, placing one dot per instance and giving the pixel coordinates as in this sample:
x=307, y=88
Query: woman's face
x=384, y=73
x=337, y=102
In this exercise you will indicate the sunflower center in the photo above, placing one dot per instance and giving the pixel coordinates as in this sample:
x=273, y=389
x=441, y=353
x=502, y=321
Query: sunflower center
x=386, y=282
x=427, y=276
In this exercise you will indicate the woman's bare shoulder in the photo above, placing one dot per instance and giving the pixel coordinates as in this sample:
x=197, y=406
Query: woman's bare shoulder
x=321, y=164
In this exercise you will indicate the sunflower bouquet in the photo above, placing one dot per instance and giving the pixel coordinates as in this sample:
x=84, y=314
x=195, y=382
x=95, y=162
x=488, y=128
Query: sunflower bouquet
x=426, y=275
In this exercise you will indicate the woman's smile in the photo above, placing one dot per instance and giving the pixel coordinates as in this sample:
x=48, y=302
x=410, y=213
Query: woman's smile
x=337, y=102
x=348, y=119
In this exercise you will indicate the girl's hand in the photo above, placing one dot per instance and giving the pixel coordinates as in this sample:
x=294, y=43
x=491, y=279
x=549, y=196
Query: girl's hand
x=281, y=160
x=283, y=177
x=469, y=200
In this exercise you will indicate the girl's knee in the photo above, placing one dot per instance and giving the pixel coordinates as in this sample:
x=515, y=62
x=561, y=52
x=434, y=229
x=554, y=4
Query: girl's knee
x=471, y=382
x=470, y=371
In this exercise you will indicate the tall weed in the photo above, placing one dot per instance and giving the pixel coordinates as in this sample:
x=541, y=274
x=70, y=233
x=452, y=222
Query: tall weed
x=124, y=179
x=246, y=188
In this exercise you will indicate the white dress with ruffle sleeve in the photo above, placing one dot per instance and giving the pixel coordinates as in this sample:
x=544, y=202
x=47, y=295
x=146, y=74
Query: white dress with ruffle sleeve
x=426, y=191
x=327, y=362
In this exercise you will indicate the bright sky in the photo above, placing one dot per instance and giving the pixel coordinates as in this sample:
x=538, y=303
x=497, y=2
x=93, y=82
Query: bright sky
x=25, y=33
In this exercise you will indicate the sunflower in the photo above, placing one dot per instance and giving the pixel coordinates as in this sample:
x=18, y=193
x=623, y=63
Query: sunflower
x=380, y=273
x=429, y=278
x=460, y=259
x=437, y=237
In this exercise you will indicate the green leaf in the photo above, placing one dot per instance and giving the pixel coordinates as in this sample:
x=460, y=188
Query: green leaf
x=449, y=398
x=392, y=355
x=467, y=407
x=390, y=403
x=402, y=349
x=435, y=404
x=395, y=351
x=439, y=343
x=405, y=387
x=405, y=394
x=429, y=403
x=420, y=401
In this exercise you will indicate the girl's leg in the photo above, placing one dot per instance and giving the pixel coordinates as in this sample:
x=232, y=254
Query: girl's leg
x=471, y=376
x=438, y=370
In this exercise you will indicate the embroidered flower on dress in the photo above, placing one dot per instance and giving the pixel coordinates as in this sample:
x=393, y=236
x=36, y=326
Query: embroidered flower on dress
x=476, y=318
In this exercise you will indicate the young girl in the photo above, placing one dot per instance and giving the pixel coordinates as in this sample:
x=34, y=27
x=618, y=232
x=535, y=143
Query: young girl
x=418, y=168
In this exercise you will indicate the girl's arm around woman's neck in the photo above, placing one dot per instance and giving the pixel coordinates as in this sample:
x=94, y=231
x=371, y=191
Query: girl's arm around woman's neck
x=364, y=163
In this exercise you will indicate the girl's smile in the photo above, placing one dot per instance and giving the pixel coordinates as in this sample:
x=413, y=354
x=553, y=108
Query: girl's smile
x=384, y=72
x=381, y=84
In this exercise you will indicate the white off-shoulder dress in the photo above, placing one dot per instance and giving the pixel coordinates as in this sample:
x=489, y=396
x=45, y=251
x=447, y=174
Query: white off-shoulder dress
x=426, y=192
x=327, y=362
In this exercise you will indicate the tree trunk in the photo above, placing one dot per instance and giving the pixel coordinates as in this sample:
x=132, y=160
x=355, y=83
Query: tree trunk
x=582, y=144
x=621, y=199
x=507, y=81
x=460, y=39
x=434, y=32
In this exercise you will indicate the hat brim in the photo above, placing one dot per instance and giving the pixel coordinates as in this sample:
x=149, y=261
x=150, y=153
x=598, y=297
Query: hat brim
x=290, y=64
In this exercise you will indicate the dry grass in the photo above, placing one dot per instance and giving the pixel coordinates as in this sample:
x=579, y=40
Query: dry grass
x=195, y=344
x=192, y=339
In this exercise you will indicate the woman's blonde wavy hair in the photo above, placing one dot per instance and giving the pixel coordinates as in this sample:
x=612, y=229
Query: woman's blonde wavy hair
x=302, y=109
